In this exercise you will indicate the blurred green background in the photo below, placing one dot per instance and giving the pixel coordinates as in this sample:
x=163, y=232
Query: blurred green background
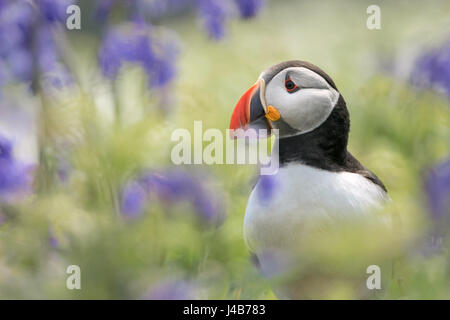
x=397, y=130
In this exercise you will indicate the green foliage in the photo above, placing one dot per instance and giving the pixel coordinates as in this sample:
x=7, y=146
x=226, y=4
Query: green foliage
x=114, y=132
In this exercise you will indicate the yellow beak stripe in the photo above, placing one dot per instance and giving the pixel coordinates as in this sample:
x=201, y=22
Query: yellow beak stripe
x=272, y=113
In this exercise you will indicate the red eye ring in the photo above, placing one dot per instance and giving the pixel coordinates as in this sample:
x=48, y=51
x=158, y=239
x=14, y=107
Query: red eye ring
x=290, y=85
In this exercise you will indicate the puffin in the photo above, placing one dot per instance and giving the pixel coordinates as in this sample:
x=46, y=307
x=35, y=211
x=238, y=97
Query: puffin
x=318, y=182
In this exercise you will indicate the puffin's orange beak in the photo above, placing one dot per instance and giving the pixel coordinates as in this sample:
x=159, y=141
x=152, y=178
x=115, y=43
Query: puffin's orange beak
x=251, y=112
x=241, y=114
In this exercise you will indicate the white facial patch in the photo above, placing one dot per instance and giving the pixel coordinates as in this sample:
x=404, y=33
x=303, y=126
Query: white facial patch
x=308, y=107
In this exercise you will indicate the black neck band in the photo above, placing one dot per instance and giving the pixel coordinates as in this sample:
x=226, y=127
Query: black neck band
x=325, y=147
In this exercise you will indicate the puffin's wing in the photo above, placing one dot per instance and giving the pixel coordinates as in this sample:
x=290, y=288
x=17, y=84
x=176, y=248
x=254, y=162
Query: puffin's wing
x=372, y=177
x=358, y=168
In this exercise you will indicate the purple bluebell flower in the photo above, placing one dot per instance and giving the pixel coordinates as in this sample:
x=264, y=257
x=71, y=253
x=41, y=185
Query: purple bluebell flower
x=171, y=290
x=437, y=186
x=27, y=39
x=134, y=43
x=103, y=9
x=20, y=64
x=162, y=69
x=48, y=56
x=15, y=176
x=266, y=188
x=134, y=199
x=172, y=187
x=15, y=33
x=54, y=10
x=249, y=8
x=214, y=15
x=177, y=185
x=48, y=61
x=432, y=69
x=5, y=148
x=52, y=240
x=15, y=24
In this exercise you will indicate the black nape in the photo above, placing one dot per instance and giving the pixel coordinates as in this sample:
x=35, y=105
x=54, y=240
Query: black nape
x=326, y=146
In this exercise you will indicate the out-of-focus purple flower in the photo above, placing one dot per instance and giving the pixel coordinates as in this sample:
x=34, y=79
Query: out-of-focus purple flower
x=432, y=69
x=437, y=187
x=15, y=24
x=172, y=187
x=103, y=9
x=15, y=176
x=20, y=64
x=266, y=188
x=134, y=43
x=53, y=71
x=214, y=15
x=171, y=290
x=249, y=8
x=15, y=34
x=5, y=148
x=134, y=199
x=176, y=186
x=54, y=10
x=52, y=240
x=438, y=190
x=48, y=56
x=163, y=67
x=26, y=36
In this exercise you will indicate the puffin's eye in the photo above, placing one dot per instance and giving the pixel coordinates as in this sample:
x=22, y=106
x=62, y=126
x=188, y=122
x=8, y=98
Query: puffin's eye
x=290, y=85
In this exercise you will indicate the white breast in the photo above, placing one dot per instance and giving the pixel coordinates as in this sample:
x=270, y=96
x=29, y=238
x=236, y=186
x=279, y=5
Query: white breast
x=303, y=195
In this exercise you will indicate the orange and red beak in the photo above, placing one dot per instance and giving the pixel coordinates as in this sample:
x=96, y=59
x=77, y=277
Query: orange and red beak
x=250, y=110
